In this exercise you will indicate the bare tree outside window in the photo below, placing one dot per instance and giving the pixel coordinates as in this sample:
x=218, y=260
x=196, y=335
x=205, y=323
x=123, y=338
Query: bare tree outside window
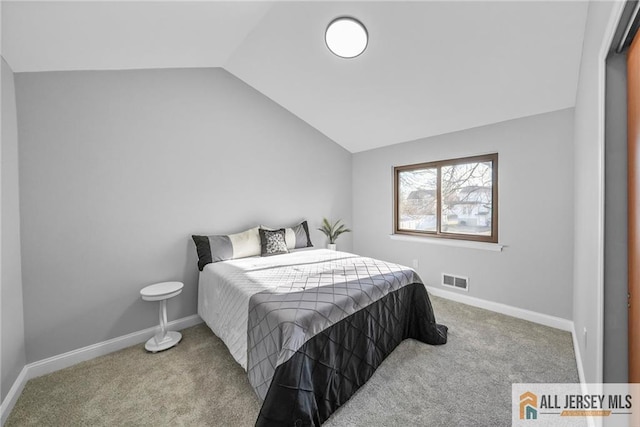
x=467, y=198
x=452, y=198
x=418, y=199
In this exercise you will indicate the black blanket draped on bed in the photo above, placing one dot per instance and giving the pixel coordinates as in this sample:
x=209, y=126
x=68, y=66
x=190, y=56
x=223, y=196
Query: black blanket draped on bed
x=331, y=366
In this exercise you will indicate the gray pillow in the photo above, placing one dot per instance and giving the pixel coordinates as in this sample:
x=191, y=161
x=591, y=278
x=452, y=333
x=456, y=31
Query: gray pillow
x=223, y=247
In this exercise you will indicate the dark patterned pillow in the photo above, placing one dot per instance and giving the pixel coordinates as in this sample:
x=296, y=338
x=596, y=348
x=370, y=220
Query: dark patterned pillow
x=272, y=242
x=296, y=236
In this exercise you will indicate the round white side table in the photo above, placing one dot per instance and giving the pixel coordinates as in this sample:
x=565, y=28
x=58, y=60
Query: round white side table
x=162, y=292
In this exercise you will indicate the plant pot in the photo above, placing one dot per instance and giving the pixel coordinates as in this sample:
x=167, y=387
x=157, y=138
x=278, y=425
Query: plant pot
x=331, y=246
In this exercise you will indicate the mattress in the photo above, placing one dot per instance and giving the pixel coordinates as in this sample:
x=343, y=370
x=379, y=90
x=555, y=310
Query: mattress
x=310, y=327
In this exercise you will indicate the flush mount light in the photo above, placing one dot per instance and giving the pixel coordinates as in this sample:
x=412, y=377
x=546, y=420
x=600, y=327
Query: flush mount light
x=346, y=37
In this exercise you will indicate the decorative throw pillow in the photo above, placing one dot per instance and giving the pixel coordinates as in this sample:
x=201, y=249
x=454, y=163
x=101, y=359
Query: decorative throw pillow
x=296, y=236
x=273, y=242
x=223, y=247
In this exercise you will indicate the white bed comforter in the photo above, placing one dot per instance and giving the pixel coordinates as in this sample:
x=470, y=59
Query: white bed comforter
x=224, y=290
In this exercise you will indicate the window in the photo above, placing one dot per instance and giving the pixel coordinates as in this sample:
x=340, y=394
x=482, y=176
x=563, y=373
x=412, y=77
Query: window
x=454, y=199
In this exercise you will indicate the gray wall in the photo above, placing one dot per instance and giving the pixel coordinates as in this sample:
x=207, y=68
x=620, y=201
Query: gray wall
x=11, y=312
x=119, y=168
x=534, y=271
x=588, y=208
x=616, y=368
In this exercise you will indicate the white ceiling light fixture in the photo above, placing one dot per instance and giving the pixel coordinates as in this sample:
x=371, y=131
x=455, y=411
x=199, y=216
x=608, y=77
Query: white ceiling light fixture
x=346, y=37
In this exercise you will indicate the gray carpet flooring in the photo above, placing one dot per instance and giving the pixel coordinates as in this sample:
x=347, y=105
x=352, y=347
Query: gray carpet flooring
x=466, y=382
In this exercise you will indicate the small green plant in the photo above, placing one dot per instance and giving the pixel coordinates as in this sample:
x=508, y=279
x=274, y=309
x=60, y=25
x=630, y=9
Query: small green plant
x=333, y=231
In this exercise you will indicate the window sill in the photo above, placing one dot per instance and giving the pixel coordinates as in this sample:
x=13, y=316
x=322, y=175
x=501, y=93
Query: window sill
x=494, y=247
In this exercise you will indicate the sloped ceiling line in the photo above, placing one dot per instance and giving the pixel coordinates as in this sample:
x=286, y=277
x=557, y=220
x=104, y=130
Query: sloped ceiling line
x=430, y=68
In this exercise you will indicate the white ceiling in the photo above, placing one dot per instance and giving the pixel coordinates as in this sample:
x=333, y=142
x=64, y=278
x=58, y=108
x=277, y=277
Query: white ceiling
x=430, y=67
x=96, y=35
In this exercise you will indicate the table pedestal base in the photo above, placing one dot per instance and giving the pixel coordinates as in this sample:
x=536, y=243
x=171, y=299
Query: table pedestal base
x=163, y=339
x=170, y=339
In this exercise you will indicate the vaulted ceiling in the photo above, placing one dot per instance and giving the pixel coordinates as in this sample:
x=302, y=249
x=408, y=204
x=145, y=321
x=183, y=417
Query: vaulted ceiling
x=430, y=67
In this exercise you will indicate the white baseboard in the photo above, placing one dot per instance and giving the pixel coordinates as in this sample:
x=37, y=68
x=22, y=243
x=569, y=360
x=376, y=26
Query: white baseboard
x=583, y=383
x=576, y=350
x=12, y=397
x=520, y=313
x=61, y=361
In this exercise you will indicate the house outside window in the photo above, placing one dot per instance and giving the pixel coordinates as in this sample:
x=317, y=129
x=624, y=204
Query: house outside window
x=454, y=199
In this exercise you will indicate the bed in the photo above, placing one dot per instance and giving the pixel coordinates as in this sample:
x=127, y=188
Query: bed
x=311, y=326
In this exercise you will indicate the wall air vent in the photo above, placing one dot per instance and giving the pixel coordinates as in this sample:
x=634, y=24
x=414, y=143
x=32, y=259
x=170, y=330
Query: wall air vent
x=457, y=282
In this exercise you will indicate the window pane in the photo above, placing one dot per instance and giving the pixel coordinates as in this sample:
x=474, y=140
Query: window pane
x=467, y=194
x=417, y=204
